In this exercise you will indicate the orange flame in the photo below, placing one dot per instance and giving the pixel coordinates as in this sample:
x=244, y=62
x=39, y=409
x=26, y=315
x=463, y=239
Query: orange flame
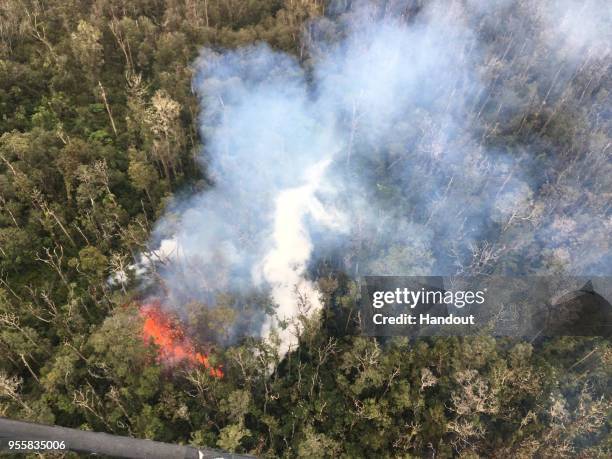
x=168, y=335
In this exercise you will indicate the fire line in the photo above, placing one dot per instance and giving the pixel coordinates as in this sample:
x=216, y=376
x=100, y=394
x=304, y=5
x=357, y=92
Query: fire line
x=168, y=335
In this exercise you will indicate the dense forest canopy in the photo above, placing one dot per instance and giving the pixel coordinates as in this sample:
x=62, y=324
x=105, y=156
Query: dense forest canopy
x=463, y=137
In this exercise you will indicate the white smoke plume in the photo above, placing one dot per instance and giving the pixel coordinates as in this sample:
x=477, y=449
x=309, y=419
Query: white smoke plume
x=378, y=147
x=284, y=266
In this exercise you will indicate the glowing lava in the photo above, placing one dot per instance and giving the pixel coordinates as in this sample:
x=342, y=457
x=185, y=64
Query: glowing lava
x=174, y=346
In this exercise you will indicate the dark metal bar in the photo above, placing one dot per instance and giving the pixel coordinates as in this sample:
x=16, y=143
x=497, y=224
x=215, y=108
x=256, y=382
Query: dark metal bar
x=102, y=443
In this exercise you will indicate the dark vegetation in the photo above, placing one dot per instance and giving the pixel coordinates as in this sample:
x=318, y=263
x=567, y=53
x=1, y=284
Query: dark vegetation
x=98, y=131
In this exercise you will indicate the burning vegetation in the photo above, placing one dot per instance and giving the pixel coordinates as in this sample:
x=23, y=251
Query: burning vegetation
x=167, y=333
x=466, y=137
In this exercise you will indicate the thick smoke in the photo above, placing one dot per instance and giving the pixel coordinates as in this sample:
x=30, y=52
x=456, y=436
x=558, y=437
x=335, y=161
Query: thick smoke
x=390, y=151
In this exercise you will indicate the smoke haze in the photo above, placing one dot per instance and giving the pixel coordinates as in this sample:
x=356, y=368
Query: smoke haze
x=388, y=151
